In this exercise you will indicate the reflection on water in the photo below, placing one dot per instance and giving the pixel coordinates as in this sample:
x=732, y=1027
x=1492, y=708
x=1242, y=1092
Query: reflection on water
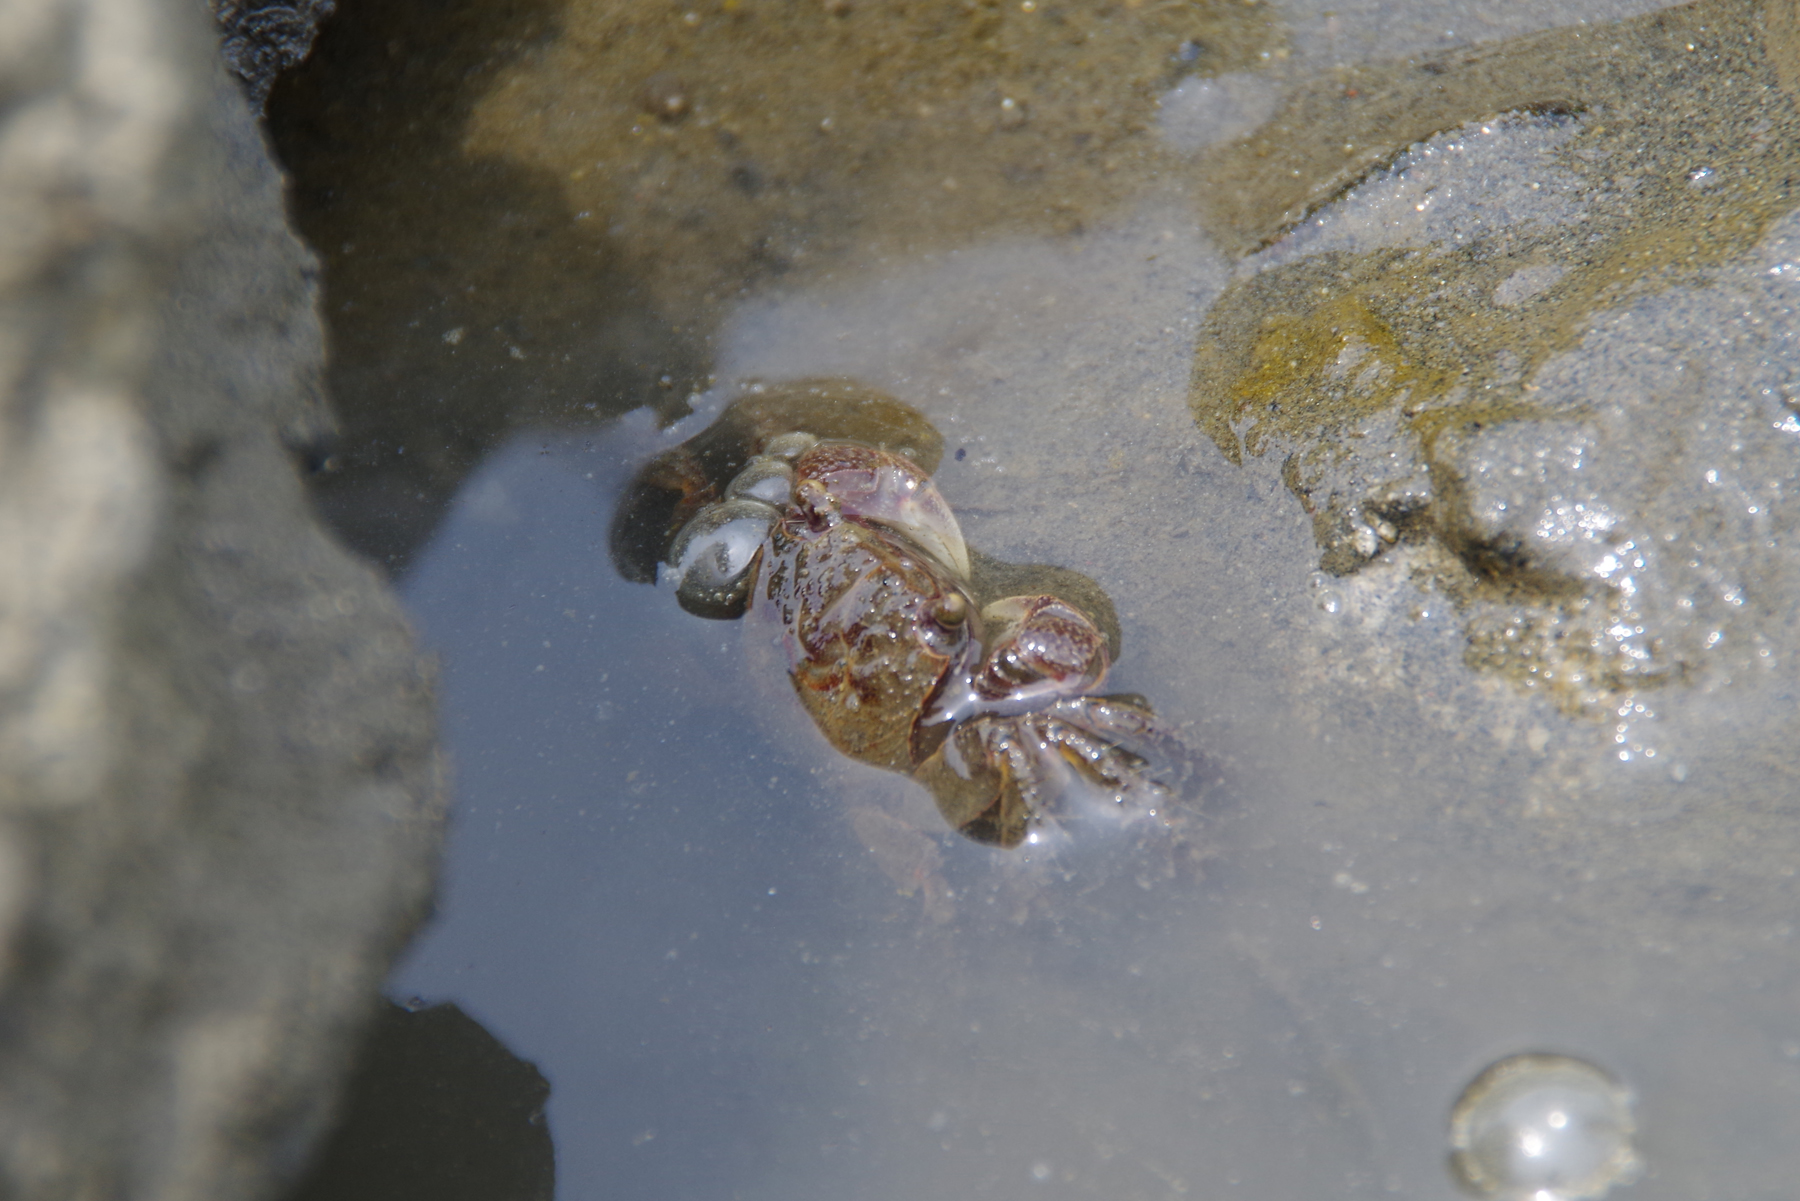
x=751, y=967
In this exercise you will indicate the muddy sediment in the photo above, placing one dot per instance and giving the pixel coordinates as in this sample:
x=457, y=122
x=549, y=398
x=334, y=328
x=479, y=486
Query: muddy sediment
x=536, y=213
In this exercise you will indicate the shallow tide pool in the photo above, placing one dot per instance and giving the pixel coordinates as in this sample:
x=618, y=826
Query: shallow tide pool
x=751, y=968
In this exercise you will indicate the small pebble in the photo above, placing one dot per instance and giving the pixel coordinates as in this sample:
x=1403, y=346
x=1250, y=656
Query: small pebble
x=664, y=96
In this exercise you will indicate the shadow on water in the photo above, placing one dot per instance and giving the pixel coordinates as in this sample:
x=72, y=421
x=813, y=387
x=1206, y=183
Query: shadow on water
x=435, y=1110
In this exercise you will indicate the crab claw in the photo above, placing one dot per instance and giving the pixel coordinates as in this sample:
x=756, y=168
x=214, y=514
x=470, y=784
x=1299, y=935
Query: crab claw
x=879, y=487
x=1038, y=649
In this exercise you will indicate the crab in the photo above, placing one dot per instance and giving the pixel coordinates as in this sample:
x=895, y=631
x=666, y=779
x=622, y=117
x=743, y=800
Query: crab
x=847, y=556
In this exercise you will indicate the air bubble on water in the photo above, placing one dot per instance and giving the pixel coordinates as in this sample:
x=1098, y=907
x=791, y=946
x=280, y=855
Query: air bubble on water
x=1325, y=596
x=1543, y=1128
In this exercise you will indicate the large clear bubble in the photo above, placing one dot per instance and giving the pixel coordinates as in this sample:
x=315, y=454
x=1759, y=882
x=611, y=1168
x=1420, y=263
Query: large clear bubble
x=1542, y=1128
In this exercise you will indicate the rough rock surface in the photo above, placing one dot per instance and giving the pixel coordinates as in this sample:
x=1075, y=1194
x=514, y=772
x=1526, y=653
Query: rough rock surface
x=1541, y=357
x=219, y=797
x=261, y=39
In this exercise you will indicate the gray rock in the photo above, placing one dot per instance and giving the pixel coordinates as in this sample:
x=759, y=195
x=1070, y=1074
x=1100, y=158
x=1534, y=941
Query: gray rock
x=219, y=796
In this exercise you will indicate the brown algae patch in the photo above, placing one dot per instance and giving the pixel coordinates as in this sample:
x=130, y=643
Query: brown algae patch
x=1379, y=350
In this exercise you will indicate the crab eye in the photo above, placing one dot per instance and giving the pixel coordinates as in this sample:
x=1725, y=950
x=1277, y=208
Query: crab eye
x=951, y=610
